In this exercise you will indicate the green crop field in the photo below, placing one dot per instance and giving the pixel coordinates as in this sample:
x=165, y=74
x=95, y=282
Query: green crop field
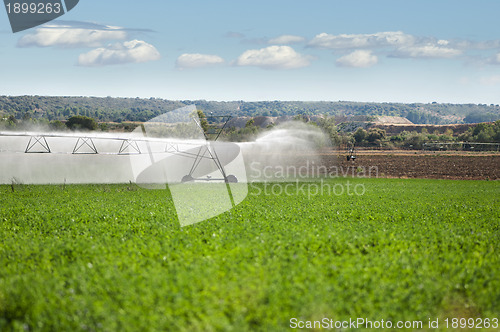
x=114, y=258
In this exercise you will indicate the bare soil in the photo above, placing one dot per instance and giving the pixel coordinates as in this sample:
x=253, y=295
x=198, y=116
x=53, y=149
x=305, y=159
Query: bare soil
x=429, y=165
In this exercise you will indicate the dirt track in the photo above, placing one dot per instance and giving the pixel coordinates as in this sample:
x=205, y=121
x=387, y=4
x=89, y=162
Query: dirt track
x=460, y=166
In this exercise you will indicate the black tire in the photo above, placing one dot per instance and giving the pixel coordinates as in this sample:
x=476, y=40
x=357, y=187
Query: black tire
x=231, y=179
x=187, y=178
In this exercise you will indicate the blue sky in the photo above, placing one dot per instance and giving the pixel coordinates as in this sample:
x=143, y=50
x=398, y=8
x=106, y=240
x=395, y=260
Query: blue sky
x=383, y=51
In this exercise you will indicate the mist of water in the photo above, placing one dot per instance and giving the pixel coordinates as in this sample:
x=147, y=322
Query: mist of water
x=290, y=151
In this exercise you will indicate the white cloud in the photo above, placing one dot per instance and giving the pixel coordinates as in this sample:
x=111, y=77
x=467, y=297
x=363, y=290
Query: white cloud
x=66, y=35
x=426, y=51
x=358, y=59
x=352, y=41
x=397, y=40
x=286, y=39
x=197, y=60
x=395, y=43
x=134, y=51
x=273, y=57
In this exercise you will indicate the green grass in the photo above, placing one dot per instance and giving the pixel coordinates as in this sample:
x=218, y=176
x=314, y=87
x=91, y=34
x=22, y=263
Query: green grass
x=114, y=258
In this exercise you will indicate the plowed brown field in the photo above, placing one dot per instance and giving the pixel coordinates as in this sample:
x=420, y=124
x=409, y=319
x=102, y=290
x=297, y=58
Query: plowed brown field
x=405, y=164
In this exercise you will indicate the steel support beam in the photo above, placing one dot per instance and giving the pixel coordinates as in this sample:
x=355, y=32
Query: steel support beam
x=37, y=141
x=84, y=142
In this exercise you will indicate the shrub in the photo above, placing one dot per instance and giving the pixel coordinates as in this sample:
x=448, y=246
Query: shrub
x=375, y=134
x=360, y=135
x=80, y=122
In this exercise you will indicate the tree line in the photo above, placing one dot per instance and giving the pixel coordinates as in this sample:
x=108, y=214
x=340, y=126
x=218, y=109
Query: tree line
x=120, y=110
x=360, y=135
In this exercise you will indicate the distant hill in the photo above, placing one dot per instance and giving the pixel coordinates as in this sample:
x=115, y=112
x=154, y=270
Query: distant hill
x=136, y=109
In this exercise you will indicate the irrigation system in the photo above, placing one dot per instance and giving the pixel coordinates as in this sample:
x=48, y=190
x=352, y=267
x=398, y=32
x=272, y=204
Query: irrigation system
x=138, y=142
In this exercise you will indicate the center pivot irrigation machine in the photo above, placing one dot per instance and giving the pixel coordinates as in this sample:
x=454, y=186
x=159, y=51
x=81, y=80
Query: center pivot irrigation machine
x=185, y=136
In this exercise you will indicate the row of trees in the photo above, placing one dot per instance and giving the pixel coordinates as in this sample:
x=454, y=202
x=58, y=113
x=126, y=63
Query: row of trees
x=135, y=109
x=482, y=132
